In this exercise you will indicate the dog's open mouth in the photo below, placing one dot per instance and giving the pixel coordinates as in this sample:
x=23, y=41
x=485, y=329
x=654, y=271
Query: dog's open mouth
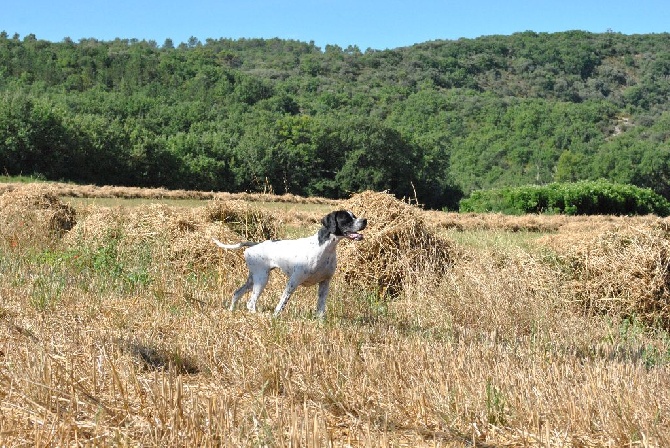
x=354, y=236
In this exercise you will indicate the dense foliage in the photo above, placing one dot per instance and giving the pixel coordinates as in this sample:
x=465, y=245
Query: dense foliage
x=439, y=119
x=578, y=198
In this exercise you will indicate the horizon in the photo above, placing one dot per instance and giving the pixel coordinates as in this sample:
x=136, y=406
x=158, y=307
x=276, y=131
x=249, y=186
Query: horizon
x=204, y=41
x=373, y=24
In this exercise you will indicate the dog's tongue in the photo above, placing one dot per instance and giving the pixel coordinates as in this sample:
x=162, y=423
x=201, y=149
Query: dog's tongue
x=355, y=236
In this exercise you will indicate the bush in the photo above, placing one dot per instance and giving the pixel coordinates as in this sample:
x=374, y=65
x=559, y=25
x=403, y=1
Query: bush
x=579, y=198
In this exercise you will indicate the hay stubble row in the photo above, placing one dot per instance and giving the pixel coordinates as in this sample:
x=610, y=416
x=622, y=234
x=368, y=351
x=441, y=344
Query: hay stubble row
x=113, y=333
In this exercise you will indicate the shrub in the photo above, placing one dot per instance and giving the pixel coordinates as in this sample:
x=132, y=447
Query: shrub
x=579, y=198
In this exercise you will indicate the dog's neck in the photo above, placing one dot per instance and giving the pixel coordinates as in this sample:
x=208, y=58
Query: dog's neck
x=325, y=237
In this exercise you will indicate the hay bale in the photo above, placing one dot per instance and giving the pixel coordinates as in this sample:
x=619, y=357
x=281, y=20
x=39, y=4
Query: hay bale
x=622, y=269
x=250, y=222
x=131, y=226
x=194, y=250
x=167, y=234
x=398, y=248
x=32, y=215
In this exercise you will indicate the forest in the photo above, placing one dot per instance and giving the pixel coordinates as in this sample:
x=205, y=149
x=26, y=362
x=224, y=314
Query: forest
x=434, y=121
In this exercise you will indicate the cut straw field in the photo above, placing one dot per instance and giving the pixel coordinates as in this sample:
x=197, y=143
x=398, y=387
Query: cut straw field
x=441, y=330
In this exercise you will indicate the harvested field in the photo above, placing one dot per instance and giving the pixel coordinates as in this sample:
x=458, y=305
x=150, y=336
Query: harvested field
x=442, y=330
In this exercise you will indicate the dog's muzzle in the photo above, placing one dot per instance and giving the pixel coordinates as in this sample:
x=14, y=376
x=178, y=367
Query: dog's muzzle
x=354, y=236
x=361, y=224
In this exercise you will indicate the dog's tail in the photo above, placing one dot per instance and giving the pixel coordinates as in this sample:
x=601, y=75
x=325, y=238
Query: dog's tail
x=233, y=246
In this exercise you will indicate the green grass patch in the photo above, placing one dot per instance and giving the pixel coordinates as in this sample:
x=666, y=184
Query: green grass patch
x=4, y=179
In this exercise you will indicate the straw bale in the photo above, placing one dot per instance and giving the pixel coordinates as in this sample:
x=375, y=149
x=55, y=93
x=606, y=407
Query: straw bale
x=398, y=247
x=194, y=249
x=251, y=222
x=176, y=236
x=621, y=268
x=28, y=215
x=135, y=226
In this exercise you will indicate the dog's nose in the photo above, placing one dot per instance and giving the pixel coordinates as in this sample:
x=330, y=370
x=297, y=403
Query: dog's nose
x=364, y=223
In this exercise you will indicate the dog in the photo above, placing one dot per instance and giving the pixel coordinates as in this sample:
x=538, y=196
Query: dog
x=305, y=261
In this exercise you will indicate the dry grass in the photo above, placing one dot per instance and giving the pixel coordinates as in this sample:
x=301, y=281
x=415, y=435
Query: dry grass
x=112, y=333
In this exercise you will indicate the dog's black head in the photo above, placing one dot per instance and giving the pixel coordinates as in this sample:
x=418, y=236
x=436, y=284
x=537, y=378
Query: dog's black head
x=342, y=224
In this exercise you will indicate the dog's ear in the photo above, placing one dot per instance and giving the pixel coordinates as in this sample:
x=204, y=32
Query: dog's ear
x=330, y=222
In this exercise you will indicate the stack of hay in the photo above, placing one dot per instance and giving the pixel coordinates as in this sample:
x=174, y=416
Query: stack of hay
x=33, y=215
x=178, y=236
x=621, y=269
x=228, y=221
x=251, y=223
x=398, y=249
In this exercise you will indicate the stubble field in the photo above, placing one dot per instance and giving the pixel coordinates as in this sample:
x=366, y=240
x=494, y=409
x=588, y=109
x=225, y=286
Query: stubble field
x=441, y=329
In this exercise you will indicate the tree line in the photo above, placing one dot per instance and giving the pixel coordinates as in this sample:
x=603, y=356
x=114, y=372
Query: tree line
x=438, y=120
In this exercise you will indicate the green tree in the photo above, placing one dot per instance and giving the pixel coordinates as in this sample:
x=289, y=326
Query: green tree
x=377, y=158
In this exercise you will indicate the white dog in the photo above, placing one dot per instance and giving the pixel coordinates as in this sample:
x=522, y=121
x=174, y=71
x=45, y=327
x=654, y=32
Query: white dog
x=305, y=261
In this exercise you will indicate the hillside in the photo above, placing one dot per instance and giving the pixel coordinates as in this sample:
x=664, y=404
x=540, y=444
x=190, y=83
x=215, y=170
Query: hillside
x=436, y=120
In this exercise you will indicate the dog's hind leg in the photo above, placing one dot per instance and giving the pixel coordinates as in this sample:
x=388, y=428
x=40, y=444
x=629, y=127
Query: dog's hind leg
x=260, y=279
x=240, y=292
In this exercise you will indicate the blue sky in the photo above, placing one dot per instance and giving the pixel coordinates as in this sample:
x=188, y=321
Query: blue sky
x=367, y=24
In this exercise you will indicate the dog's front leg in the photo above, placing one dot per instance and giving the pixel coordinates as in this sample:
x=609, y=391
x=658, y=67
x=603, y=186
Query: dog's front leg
x=321, y=298
x=291, y=286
